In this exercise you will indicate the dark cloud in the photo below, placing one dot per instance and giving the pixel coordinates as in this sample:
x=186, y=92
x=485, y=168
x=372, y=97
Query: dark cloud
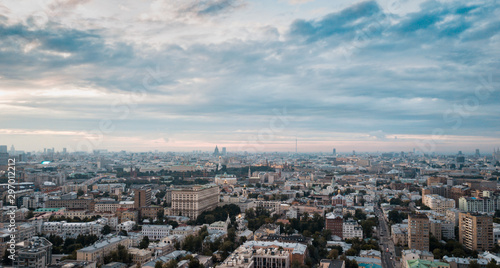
x=212, y=7
x=347, y=21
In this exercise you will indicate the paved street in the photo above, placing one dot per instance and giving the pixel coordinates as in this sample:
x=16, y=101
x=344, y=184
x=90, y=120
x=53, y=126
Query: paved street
x=386, y=244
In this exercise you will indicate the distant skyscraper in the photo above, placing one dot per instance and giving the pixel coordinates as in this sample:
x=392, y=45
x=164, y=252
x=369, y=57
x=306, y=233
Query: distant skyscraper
x=3, y=148
x=216, y=151
x=496, y=154
x=12, y=149
x=224, y=151
x=64, y=151
x=477, y=153
x=334, y=151
x=353, y=152
x=4, y=159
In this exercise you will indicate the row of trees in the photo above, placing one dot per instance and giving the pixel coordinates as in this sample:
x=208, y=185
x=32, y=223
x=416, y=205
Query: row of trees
x=218, y=214
x=70, y=245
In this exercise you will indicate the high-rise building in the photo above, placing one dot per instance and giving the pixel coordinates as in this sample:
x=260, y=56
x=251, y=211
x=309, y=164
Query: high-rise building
x=418, y=231
x=496, y=154
x=475, y=231
x=224, y=151
x=335, y=223
x=191, y=201
x=334, y=151
x=4, y=159
x=477, y=153
x=142, y=198
x=216, y=151
x=4, y=155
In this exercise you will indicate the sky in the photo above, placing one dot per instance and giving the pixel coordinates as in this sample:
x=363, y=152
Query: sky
x=183, y=75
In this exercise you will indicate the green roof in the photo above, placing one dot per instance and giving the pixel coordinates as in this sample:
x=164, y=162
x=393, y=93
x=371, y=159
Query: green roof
x=426, y=264
x=47, y=209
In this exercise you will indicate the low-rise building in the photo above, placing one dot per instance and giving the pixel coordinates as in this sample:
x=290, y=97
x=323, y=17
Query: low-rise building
x=156, y=232
x=140, y=256
x=352, y=229
x=36, y=252
x=102, y=248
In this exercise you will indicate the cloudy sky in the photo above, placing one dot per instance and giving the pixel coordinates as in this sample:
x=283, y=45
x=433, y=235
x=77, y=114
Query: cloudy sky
x=183, y=75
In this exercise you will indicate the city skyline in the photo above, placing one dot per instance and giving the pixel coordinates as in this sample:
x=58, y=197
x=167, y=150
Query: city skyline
x=250, y=75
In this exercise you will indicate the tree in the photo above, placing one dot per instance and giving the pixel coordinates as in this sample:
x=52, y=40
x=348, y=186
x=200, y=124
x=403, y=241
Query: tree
x=30, y=215
x=6, y=259
x=492, y=264
x=106, y=230
x=333, y=254
x=123, y=233
x=351, y=252
x=474, y=264
x=144, y=243
x=396, y=216
x=159, y=264
x=396, y=201
x=195, y=263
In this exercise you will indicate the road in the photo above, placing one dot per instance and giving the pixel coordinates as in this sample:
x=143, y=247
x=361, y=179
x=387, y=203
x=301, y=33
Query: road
x=386, y=243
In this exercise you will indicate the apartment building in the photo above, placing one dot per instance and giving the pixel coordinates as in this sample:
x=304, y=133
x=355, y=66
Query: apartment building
x=36, y=252
x=476, y=231
x=352, y=229
x=418, y=232
x=438, y=203
x=86, y=204
x=107, y=206
x=193, y=200
x=335, y=224
x=102, y=248
x=477, y=204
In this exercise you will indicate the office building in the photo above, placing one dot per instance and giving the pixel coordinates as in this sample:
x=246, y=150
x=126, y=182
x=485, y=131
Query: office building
x=191, y=201
x=142, y=198
x=418, y=232
x=476, y=231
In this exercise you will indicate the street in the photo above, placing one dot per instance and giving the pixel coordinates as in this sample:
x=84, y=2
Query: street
x=386, y=243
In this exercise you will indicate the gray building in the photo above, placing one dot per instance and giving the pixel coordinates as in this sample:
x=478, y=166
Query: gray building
x=36, y=253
